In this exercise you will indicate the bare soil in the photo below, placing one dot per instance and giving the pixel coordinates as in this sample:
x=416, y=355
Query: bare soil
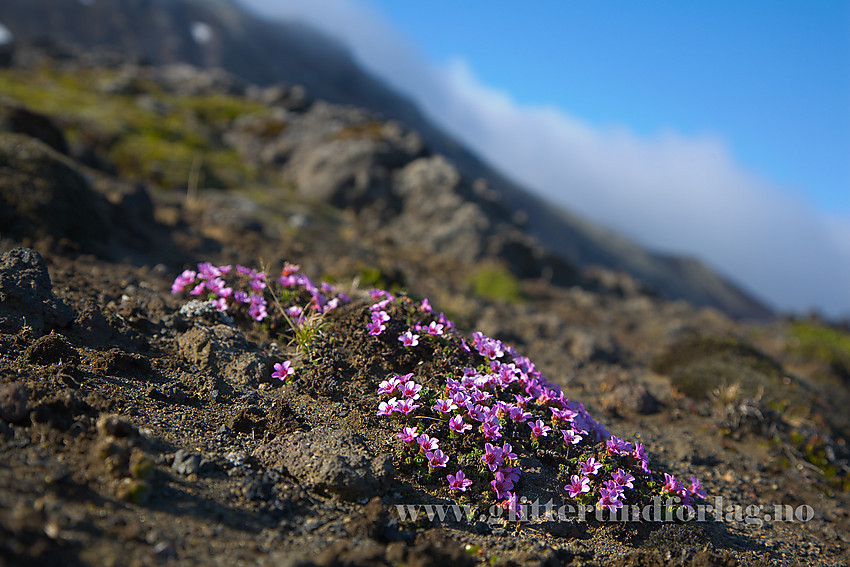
x=133, y=435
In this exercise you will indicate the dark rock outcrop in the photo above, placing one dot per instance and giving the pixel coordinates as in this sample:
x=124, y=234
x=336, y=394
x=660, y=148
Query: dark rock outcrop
x=43, y=195
x=26, y=294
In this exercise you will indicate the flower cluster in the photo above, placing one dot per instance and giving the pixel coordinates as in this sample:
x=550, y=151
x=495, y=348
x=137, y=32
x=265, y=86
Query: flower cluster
x=500, y=408
x=481, y=408
x=209, y=281
x=322, y=298
x=249, y=288
x=227, y=289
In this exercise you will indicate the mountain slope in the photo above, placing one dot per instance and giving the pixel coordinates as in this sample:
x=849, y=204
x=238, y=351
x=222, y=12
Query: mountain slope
x=220, y=33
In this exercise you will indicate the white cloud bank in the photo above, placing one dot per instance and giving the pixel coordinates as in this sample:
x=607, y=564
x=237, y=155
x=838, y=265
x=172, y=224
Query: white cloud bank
x=672, y=193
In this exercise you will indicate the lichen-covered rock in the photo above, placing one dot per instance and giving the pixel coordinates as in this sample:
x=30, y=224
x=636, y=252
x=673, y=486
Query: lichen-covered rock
x=351, y=171
x=224, y=352
x=333, y=461
x=26, y=294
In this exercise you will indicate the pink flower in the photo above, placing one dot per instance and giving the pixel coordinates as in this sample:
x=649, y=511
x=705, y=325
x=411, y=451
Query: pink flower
x=198, y=289
x=257, y=309
x=283, y=371
x=491, y=430
x=288, y=277
x=444, y=405
x=507, y=374
x=492, y=456
x=479, y=396
x=457, y=424
x=491, y=349
x=381, y=304
x=538, y=429
x=508, y=452
x=477, y=412
x=578, y=484
x=671, y=485
x=406, y=406
x=258, y=283
x=610, y=499
x=448, y=324
x=389, y=386
x=639, y=454
x=428, y=443
x=458, y=481
x=571, y=437
x=380, y=316
x=408, y=339
x=590, y=467
x=519, y=415
x=436, y=459
x=521, y=401
x=295, y=312
x=183, y=280
x=623, y=478
x=566, y=415
x=617, y=446
x=425, y=306
x=387, y=408
x=501, y=485
x=511, y=473
x=411, y=390
x=378, y=294
x=613, y=486
x=511, y=503
x=375, y=328
x=408, y=435
x=696, y=488
x=434, y=329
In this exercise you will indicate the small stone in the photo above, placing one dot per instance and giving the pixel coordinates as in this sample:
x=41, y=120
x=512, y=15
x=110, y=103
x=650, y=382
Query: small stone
x=186, y=463
x=313, y=524
x=165, y=550
x=13, y=402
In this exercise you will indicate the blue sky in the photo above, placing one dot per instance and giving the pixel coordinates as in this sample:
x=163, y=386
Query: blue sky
x=719, y=130
x=771, y=78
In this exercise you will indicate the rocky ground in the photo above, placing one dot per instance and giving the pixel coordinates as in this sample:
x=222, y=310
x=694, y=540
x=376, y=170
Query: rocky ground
x=137, y=431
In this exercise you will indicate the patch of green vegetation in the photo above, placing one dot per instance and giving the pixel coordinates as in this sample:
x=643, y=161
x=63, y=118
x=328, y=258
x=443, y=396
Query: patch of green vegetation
x=701, y=366
x=824, y=343
x=216, y=110
x=371, y=130
x=495, y=282
x=381, y=278
x=156, y=139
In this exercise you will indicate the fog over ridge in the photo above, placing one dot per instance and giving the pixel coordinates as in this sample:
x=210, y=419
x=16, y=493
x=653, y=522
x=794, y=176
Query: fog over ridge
x=676, y=193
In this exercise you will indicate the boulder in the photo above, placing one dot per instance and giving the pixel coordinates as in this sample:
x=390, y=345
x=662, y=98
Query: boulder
x=17, y=119
x=224, y=352
x=26, y=294
x=328, y=460
x=43, y=195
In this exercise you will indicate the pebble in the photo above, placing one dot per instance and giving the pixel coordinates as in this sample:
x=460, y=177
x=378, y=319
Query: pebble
x=312, y=524
x=186, y=463
x=13, y=402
